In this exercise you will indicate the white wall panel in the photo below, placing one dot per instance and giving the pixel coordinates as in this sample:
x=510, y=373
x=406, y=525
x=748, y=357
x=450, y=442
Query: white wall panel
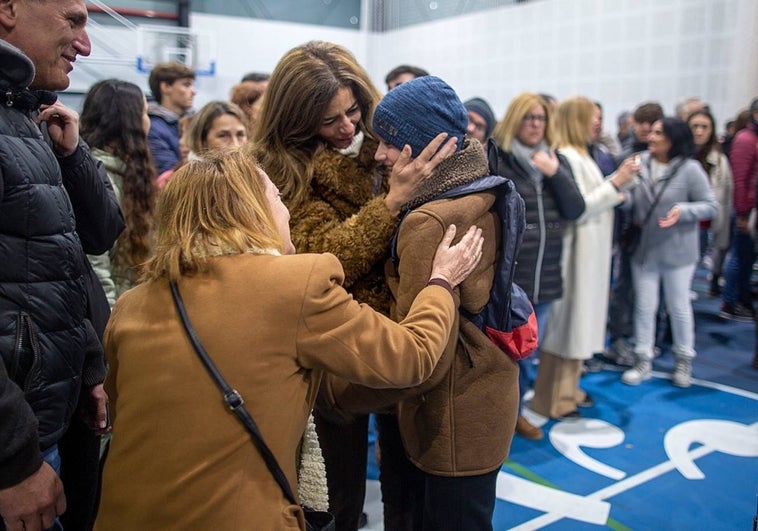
x=620, y=52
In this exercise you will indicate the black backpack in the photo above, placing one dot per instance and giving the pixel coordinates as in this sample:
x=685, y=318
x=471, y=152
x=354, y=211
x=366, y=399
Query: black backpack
x=508, y=318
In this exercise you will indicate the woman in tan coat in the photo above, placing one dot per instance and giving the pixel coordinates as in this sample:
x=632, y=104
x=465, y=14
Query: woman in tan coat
x=272, y=323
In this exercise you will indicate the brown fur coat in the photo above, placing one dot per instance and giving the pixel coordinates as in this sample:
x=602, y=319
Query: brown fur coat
x=345, y=215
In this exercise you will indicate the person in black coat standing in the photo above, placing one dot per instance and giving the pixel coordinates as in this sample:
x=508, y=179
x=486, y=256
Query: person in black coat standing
x=521, y=150
x=55, y=204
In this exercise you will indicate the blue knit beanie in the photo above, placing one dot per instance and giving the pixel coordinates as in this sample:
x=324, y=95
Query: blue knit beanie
x=416, y=111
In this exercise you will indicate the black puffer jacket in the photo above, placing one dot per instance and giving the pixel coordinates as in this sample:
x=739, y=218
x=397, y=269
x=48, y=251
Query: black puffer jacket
x=47, y=342
x=539, y=262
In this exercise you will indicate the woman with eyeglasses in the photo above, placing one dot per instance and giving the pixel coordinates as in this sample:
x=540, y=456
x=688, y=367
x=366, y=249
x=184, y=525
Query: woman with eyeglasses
x=521, y=150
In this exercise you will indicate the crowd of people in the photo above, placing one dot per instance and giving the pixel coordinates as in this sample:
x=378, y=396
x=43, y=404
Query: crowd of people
x=302, y=224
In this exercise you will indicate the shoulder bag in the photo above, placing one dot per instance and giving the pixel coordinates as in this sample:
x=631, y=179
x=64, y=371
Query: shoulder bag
x=632, y=233
x=314, y=520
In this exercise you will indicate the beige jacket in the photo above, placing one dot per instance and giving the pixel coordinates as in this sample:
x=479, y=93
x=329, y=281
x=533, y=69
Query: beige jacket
x=179, y=459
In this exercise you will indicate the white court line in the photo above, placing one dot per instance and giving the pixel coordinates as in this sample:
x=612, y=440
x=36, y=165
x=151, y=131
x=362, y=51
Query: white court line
x=644, y=476
x=614, y=489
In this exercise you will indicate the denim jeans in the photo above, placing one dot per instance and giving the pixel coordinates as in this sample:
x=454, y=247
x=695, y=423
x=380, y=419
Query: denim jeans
x=53, y=458
x=676, y=282
x=526, y=366
x=738, y=269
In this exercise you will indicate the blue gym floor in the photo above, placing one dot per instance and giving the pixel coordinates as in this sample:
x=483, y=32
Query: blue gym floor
x=647, y=457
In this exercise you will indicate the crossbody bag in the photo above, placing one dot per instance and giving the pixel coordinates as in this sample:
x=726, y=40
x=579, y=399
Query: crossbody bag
x=314, y=520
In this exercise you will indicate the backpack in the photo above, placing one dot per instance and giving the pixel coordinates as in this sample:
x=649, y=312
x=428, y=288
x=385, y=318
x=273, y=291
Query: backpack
x=508, y=318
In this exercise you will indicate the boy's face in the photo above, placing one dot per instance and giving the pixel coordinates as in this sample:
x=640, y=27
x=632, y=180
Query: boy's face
x=642, y=130
x=386, y=154
x=179, y=94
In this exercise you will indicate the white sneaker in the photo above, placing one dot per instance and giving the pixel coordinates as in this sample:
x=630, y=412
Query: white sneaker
x=639, y=373
x=682, y=375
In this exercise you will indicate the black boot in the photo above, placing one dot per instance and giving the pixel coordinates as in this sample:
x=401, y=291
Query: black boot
x=714, y=290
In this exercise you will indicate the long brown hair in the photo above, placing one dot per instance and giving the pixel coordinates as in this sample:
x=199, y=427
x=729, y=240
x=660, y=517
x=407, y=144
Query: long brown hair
x=111, y=120
x=299, y=92
x=701, y=155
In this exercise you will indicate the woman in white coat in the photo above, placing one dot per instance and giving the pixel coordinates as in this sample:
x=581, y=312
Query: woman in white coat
x=577, y=322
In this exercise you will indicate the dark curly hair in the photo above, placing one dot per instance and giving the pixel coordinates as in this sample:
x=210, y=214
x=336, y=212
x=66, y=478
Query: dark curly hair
x=112, y=120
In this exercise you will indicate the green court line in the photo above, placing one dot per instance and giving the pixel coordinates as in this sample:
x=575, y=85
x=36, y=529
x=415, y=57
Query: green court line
x=531, y=476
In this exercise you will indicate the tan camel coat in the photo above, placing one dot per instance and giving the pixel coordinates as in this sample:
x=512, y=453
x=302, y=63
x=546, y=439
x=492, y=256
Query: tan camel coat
x=179, y=459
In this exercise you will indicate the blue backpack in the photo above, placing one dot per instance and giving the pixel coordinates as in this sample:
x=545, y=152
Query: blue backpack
x=508, y=318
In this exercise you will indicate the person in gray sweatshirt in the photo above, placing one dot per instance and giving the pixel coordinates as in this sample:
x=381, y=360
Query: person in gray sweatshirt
x=673, y=195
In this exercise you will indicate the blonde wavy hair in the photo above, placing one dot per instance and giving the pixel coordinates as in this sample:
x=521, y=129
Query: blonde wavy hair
x=300, y=89
x=211, y=206
x=573, y=123
x=507, y=128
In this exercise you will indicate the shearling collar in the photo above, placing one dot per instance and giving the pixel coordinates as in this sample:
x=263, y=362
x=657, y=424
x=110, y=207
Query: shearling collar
x=462, y=167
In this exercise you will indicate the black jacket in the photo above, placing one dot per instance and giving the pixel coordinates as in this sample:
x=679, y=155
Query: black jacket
x=538, y=270
x=51, y=211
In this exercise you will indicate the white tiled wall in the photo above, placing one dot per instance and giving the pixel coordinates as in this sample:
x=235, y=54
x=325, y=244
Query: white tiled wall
x=620, y=52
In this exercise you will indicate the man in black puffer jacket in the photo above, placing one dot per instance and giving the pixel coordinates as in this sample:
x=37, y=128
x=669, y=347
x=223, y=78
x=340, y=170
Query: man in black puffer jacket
x=55, y=204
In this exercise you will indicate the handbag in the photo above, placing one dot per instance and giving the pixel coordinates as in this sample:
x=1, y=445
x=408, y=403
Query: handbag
x=314, y=520
x=631, y=235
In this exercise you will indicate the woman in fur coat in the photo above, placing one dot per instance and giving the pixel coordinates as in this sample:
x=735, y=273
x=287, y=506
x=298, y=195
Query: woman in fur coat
x=315, y=141
x=457, y=426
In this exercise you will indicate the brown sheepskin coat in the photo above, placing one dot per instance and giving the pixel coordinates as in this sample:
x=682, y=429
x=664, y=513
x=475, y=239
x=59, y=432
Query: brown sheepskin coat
x=461, y=421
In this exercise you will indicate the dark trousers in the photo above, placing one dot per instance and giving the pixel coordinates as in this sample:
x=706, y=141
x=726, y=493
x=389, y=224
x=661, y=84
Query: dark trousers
x=80, y=466
x=739, y=270
x=621, y=305
x=402, y=483
x=459, y=503
x=345, y=450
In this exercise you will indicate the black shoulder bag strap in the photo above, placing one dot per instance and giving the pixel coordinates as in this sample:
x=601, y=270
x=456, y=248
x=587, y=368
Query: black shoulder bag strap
x=660, y=192
x=232, y=398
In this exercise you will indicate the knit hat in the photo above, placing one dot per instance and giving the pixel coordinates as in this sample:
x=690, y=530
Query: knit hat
x=416, y=111
x=483, y=109
x=754, y=105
